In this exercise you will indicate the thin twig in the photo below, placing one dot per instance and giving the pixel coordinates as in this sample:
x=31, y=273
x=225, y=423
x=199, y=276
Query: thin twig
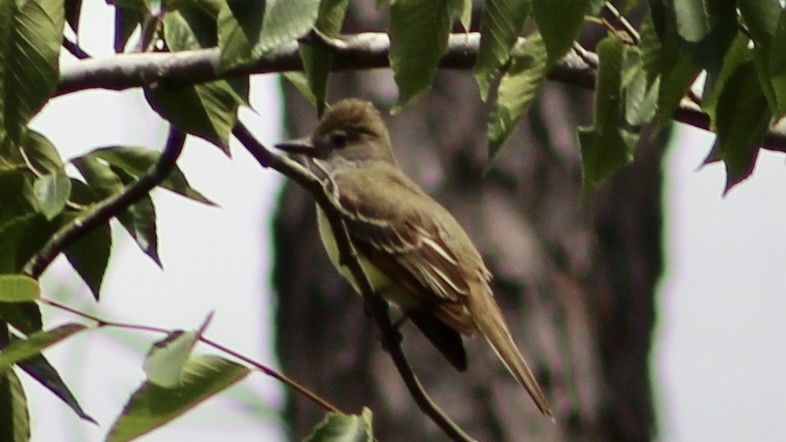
x=100, y=322
x=391, y=339
x=622, y=21
x=108, y=208
x=75, y=50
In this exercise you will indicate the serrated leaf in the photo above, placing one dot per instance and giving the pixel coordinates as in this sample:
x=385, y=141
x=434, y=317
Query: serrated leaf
x=139, y=219
x=207, y=110
x=18, y=288
x=418, y=27
x=52, y=192
x=22, y=349
x=30, y=36
x=742, y=120
x=42, y=371
x=152, y=406
x=246, y=31
x=608, y=145
x=559, y=22
x=15, y=419
x=89, y=255
x=500, y=27
x=517, y=89
x=136, y=161
x=340, y=427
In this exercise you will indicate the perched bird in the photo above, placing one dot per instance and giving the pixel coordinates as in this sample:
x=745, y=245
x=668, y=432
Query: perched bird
x=412, y=250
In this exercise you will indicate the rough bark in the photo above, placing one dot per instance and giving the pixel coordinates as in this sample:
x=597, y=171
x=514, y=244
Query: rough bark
x=575, y=280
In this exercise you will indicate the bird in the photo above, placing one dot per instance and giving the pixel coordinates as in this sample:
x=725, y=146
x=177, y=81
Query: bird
x=412, y=250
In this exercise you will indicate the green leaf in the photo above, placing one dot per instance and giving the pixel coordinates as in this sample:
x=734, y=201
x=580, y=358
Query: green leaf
x=419, y=32
x=136, y=161
x=640, y=96
x=24, y=316
x=22, y=349
x=166, y=358
x=246, y=30
x=22, y=237
x=318, y=61
x=152, y=406
x=501, y=25
x=761, y=16
x=608, y=145
x=559, y=22
x=41, y=153
x=89, y=255
x=662, y=58
x=16, y=197
x=339, y=427
x=52, y=192
x=73, y=8
x=139, y=219
x=777, y=65
x=42, y=371
x=128, y=15
x=738, y=53
x=30, y=36
x=742, y=120
x=330, y=16
x=15, y=419
x=517, y=89
x=18, y=288
x=207, y=110
x=706, y=29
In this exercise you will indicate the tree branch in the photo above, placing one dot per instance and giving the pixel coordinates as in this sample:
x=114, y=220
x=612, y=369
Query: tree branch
x=108, y=208
x=391, y=339
x=358, y=51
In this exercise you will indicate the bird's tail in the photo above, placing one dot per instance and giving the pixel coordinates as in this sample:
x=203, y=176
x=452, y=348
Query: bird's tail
x=491, y=324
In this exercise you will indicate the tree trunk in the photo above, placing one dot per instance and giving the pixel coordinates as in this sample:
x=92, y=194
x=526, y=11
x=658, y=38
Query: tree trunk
x=575, y=279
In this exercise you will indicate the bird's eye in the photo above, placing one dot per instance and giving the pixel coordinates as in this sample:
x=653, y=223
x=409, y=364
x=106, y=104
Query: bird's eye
x=338, y=139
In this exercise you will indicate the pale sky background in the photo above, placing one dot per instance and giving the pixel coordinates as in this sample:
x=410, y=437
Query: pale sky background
x=717, y=363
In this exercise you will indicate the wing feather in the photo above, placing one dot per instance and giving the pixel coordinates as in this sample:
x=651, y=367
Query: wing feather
x=404, y=234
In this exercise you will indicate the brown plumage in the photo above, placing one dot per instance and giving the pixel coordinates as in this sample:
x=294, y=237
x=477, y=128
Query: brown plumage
x=413, y=250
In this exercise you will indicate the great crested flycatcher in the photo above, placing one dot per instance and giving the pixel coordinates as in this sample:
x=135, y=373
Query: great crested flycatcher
x=412, y=250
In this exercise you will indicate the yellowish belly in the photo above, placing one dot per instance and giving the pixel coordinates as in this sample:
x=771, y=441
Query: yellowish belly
x=379, y=281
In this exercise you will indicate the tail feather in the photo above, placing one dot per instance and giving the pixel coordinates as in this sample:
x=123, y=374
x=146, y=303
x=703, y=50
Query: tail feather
x=491, y=324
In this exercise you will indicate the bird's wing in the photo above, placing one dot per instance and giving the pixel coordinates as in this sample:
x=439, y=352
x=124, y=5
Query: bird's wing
x=404, y=234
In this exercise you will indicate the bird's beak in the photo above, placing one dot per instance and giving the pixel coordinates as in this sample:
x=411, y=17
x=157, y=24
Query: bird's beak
x=302, y=146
